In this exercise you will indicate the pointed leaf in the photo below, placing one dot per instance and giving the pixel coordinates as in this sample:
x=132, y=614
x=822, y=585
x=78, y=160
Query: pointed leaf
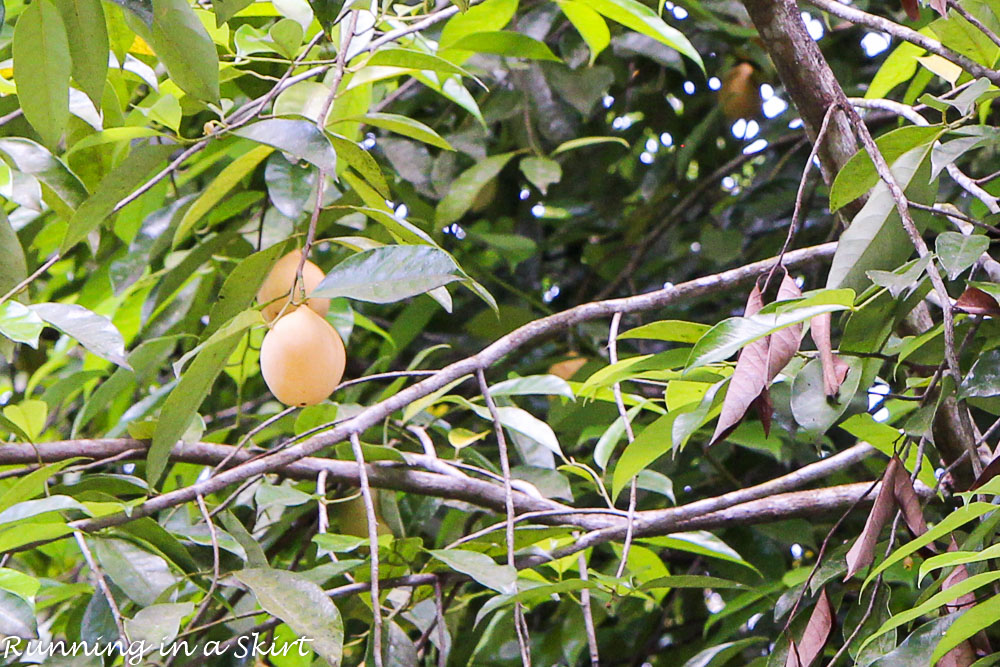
x=466, y=187
x=95, y=332
x=42, y=68
x=862, y=552
x=637, y=16
x=84, y=20
x=302, y=605
x=482, y=568
x=300, y=138
x=388, y=274
x=834, y=368
x=805, y=652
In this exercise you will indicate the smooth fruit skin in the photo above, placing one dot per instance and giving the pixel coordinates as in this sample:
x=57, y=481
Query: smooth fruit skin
x=279, y=284
x=302, y=358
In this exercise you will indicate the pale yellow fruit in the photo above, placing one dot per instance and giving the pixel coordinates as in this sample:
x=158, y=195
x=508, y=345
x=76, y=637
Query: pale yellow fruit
x=302, y=358
x=278, y=286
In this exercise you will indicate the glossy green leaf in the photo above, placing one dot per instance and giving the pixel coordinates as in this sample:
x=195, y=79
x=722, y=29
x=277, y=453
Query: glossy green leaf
x=17, y=616
x=541, y=172
x=123, y=179
x=31, y=158
x=980, y=617
x=241, y=285
x=858, y=176
x=42, y=68
x=637, y=16
x=300, y=138
x=180, y=39
x=353, y=155
x=158, y=625
x=502, y=43
x=589, y=24
x=220, y=186
x=486, y=16
x=412, y=59
x=464, y=189
x=677, y=331
x=482, y=568
x=302, y=605
x=19, y=323
x=184, y=400
x=95, y=332
x=389, y=273
x=983, y=379
x=84, y=21
x=958, y=252
x=405, y=126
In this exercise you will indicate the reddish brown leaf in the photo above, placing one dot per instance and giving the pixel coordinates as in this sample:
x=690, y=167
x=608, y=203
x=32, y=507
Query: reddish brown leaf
x=991, y=470
x=940, y=6
x=862, y=552
x=912, y=9
x=909, y=502
x=749, y=378
x=765, y=410
x=834, y=368
x=783, y=344
x=964, y=654
x=814, y=638
x=975, y=301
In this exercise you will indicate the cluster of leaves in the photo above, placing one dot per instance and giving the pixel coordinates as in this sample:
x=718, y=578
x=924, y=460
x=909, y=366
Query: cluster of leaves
x=158, y=159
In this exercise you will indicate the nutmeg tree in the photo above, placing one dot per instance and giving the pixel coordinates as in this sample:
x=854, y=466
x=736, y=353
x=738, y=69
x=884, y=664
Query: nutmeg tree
x=490, y=332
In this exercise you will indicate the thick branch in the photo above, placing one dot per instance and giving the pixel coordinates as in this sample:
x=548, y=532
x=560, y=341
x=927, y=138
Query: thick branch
x=374, y=414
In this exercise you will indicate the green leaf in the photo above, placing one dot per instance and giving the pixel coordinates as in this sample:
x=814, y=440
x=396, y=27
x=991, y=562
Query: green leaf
x=17, y=616
x=220, y=186
x=28, y=416
x=181, y=41
x=227, y=9
x=300, y=138
x=464, y=189
x=699, y=542
x=405, y=126
x=42, y=68
x=721, y=654
x=637, y=16
x=20, y=584
x=978, y=618
x=302, y=605
x=84, y=20
x=899, y=66
x=541, y=172
x=858, y=176
x=390, y=273
x=589, y=24
x=402, y=231
x=952, y=558
x=939, y=599
x=541, y=385
x=958, y=252
x=31, y=158
x=241, y=285
x=19, y=323
x=729, y=336
x=584, y=142
x=32, y=484
x=502, y=43
x=184, y=400
x=362, y=161
x=691, y=581
x=876, y=238
x=158, y=624
x=676, y=331
x=650, y=444
x=123, y=179
x=983, y=379
x=482, y=568
x=13, y=265
x=141, y=574
x=420, y=60
x=484, y=17
x=95, y=332
x=949, y=523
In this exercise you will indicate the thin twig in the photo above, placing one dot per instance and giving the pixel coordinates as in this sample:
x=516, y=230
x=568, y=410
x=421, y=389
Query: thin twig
x=102, y=583
x=588, y=615
x=623, y=415
x=509, y=502
x=27, y=281
x=366, y=495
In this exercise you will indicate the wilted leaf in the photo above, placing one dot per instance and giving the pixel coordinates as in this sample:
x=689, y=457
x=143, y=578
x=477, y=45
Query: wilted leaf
x=784, y=343
x=748, y=380
x=862, y=552
x=805, y=652
x=977, y=302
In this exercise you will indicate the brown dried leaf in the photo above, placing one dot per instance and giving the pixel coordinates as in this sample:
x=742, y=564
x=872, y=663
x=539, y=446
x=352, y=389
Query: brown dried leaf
x=834, y=368
x=814, y=638
x=909, y=502
x=765, y=410
x=912, y=9
x=940, y=6
x=862, y=552
x=783, y=344
x=748, y=380
x=977, y=302
x=991, y=470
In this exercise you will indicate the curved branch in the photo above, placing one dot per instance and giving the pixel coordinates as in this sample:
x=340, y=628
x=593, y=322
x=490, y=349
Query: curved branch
x=858, y=17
